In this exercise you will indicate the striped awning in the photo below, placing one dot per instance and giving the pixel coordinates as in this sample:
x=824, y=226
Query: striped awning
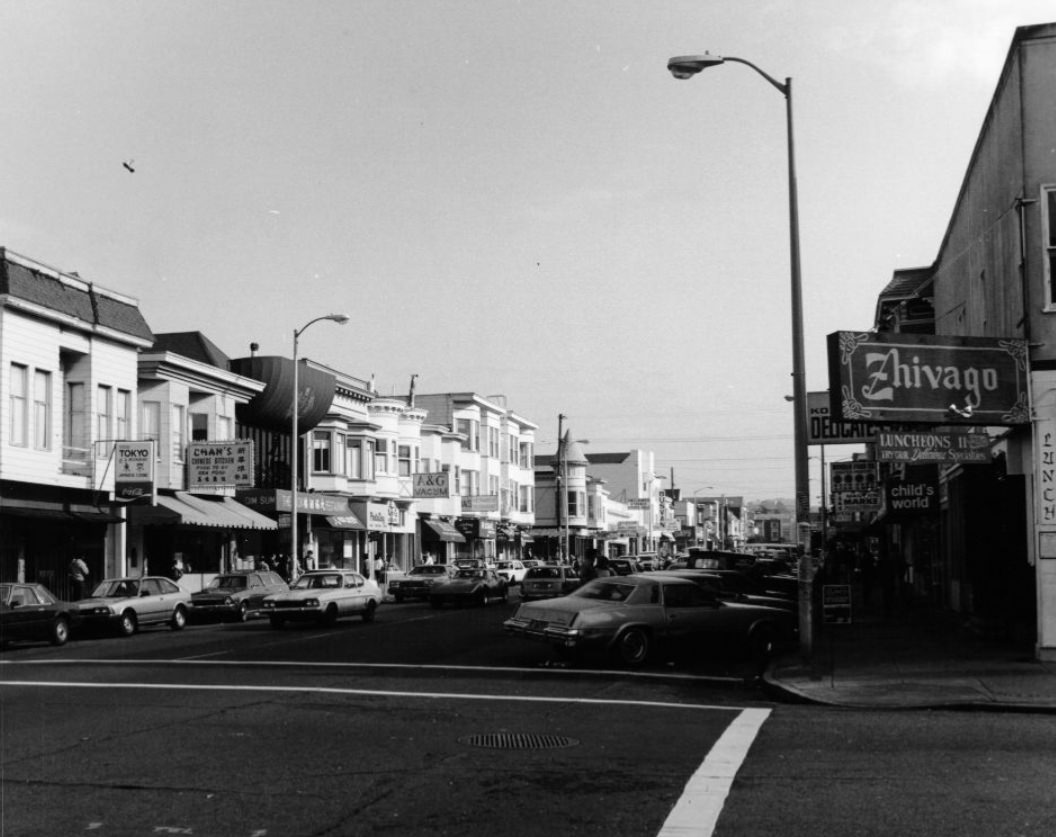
x=183, y=509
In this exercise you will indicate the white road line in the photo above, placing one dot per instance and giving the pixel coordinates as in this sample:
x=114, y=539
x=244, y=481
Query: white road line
x=556, y=670
x=324, y=690
x=697, y=810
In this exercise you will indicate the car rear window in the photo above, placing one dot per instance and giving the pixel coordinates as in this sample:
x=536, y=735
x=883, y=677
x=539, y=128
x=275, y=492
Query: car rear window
x=543, y=572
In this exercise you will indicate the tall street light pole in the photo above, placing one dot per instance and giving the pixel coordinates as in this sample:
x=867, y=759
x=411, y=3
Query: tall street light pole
x=687, y=66
x=295, y=447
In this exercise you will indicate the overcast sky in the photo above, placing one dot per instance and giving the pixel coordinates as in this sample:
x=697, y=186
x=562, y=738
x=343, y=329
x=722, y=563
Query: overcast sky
x=507, y=197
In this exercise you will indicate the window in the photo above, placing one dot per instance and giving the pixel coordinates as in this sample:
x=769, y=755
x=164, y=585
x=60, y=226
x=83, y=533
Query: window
x=511, y=450
x=408, y=460
x=19, y=404
x=199, y=427
x=338, y=454
x=179, y=418
x=42, y=410
x=526, y=455
x=471, y=430
x=123, y=414
x=493, y=486
x=1049, y=221
x=492, y=436
x=359, y=459
x=104, y=413
x=75, y=422
x=381, y=456
x=469, y=483
x=149, y=420
x=321, y=451
x=577, y=502
x=526, y=498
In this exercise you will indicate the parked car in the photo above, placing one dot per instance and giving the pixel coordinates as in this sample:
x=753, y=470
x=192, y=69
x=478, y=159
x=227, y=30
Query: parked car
x=127, y=604
x=418, y=582
x=647, y=561
x=469, y=585
x=623, y=566
x=625, y=617
x=548, y=581
x=235, y=596
x=324, y=596
x=512, y=571
x=732, y=586
x=31, y=611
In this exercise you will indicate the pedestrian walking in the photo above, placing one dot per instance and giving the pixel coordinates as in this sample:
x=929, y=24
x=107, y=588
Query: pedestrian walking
x=379, y=570
x=78, y=573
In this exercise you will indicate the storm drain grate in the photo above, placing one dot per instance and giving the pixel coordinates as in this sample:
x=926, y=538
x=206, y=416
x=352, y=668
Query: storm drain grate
x=517, y=741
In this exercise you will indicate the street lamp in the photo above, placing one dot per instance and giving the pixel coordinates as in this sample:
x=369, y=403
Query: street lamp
x=687, y=66
x=294, y=444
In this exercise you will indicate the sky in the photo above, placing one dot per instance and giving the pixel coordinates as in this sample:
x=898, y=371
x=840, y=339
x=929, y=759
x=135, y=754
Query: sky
x=508, y=198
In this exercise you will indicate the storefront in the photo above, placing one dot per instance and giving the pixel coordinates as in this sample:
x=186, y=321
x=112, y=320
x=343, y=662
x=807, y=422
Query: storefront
x=440, y=539
x=480, y=537
x=390, y=533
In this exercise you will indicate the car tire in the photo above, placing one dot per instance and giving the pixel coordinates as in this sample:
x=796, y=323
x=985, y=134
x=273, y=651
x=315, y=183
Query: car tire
x=762, y=642
x=242, y=614
x=128, y=624
x=370, y=611
x=329, y=617
x=179, y=618
x=632, y=647
x=276, y=621
x=481, y=598
x=59, y=631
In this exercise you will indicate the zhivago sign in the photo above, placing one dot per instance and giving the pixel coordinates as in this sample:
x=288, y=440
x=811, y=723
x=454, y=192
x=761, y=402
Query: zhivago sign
x=928, y=378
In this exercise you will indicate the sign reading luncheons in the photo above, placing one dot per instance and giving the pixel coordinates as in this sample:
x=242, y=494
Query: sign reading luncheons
x=925, y=378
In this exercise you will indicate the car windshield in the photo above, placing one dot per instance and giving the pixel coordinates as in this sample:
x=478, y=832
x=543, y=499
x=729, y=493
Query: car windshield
x=470, y=574
x=605, y=590
x=229, y=582
x=428, y=570
x=544, y=572
x=317, y=582
x=119, y=588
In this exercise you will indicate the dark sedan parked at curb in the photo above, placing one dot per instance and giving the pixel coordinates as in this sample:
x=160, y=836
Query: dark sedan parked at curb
x=624, y=617
x=418, y=582
x=235, y=597
x=469, y=586
x=324, y=596
x=31, y=611
x=127, y=604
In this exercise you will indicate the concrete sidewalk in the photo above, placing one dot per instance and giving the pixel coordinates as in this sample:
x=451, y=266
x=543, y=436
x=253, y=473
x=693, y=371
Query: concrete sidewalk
x=915, y=658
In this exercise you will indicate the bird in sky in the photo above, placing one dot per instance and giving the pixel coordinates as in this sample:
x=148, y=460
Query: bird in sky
x=128, y=166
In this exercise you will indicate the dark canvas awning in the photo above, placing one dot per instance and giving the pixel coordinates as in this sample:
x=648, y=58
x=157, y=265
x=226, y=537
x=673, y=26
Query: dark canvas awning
x=53, y=510
x=345, y=521
x=445, y=531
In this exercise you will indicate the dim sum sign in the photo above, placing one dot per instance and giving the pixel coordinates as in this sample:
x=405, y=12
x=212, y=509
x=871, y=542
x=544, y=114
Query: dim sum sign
x=929, y=379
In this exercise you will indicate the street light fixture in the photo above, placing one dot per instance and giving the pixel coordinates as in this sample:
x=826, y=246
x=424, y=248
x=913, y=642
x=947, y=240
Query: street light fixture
x=685, y=67
x=295, y=447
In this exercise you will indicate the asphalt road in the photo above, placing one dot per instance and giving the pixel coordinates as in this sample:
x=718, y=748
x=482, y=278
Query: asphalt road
x=435, y=723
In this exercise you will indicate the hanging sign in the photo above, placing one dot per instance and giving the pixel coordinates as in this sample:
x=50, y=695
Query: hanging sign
x=216, y=464
x=134, y=471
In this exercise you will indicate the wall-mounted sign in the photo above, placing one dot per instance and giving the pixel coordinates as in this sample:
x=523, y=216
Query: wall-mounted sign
x=428, y=486
x=481, y=503
x=854, y=486
x=215, y=464
x=825, y=429
x=912, y=493
x=134, y=471
x=926, y=378
x=639, y=503
x=933, y=446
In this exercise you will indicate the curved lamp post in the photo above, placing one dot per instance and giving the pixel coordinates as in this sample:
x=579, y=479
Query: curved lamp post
x=295, y=447
x=687, y=66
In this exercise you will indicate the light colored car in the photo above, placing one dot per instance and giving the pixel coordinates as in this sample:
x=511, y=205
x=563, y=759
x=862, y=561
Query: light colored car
x=468, y=585
x=548, y=581
x=127, y=604
x=324, y=596
x=235, y=596
x=512, y=571
x=31, y=611
x=625, y=617
x=418, y=582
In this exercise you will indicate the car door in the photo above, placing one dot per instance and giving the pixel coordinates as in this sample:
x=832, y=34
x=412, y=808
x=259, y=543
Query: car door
x=24, y=612
x=355, y=598
x=689, y=612
x=150, y=605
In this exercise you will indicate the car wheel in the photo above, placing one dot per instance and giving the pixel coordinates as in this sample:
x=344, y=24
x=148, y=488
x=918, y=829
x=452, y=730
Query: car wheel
x=276, y=621
x=243, y=612
x=179, y=619
x=368, y=614
x=632, y=647
x=60, y=631
x=128, y=625
x=762, y=642
x=329, y=617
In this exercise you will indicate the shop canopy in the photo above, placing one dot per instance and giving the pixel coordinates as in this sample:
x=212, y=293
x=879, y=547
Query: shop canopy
x=445, y=531
x=188, y=510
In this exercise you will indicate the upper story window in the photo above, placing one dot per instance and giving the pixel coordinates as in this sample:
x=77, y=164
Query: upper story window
x=19, y=405
x=104, y=413
x=199, y=427
x=1048, y=214
x=526, y=454
x=492, y=436
x=321, y=451
x=408, y=460
x=359, y=458
x=42, y=410
x=381, y=456
x=179, y=430
x=123, y=415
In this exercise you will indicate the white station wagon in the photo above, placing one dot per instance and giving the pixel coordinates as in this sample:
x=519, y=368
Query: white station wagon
x=324, y=596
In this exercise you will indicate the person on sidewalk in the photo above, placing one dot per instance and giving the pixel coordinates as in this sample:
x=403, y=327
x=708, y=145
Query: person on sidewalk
x=78, y=574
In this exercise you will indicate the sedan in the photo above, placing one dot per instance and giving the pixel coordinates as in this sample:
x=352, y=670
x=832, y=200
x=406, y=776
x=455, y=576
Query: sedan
x=418, y=582
x=548, y=581
x=625, y=617
x=469, y=586
x=512, y=571
x=126, y=604
x=236, y=596
x=324, y=596
x=30, y=611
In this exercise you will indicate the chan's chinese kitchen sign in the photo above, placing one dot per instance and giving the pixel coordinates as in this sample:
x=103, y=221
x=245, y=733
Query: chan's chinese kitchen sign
x=930, y=379
x=212, y=464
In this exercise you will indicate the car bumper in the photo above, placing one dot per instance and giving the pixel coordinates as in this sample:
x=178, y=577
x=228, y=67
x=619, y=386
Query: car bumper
x=295, y=613
x=205, y=612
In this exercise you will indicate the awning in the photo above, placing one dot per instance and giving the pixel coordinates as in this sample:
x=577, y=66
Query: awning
x=445, y=531
x=344, y=521
x=51, y=510
x=187, y=510
x=666, y=536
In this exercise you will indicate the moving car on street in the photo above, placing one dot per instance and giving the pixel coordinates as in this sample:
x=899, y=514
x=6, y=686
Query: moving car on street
x=418, y=582
x=548, y=581
x=127, y=604
x=31, y=611
x=470, y=585
x=324, y=596
x=626, y=617
x=235, y=597
x=512, y=571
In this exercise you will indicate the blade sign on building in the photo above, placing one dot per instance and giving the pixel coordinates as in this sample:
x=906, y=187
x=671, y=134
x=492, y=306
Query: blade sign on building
x=215, y=464
x=929, y=379
x=134, y=471
x=923, y=446
x=823, y=428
